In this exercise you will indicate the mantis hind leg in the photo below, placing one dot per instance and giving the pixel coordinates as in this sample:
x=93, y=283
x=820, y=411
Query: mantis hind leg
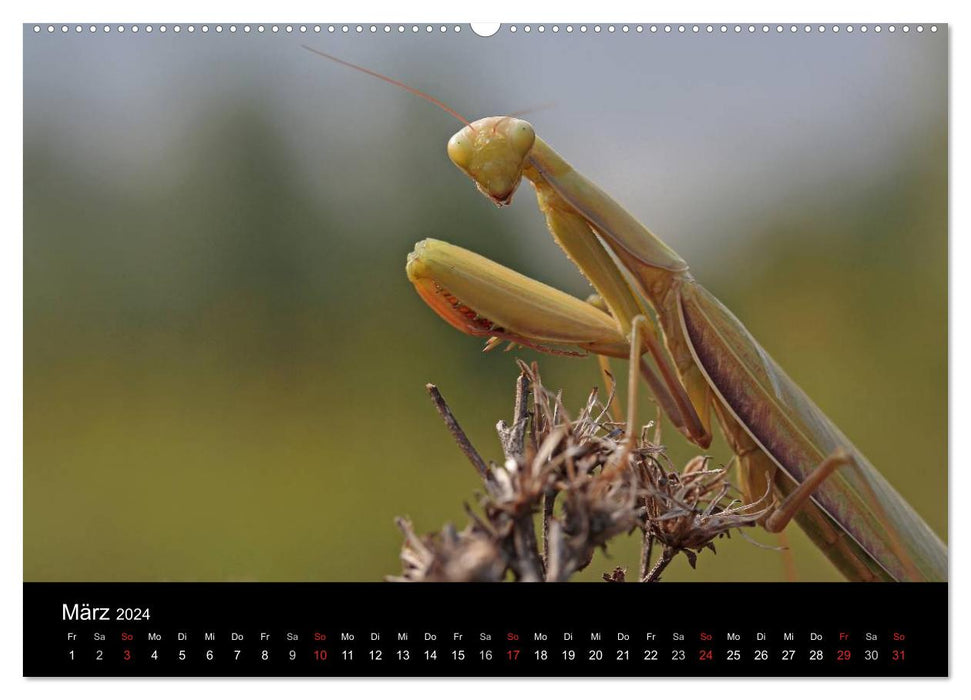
x=798, y=497
x=760, y=477
x=758, y=474
x=783, y=512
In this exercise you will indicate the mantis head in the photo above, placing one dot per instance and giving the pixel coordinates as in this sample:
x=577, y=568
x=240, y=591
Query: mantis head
x=492, y=151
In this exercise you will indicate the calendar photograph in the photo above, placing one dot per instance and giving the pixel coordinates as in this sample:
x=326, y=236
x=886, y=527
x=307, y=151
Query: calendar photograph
x=244, y=262
x=394, y=303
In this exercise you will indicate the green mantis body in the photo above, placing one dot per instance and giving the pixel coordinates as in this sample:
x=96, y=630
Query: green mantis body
x=707, y=362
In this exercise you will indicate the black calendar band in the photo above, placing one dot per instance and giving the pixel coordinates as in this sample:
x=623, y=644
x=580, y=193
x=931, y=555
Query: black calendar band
x=378, y=629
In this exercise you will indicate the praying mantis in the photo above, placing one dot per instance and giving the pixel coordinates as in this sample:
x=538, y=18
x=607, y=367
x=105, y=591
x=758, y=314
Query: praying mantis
x=708, y=366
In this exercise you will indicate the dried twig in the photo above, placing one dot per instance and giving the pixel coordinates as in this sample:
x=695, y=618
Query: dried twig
x=667, y=556
x=456, y=430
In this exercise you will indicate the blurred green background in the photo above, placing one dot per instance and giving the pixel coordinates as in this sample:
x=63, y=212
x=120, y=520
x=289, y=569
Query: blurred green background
x=224, y=364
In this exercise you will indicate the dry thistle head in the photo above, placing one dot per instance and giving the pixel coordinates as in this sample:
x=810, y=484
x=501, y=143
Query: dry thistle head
x=590, y=483
x=687, y=511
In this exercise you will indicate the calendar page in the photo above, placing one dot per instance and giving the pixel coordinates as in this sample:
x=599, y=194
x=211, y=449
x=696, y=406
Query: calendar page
x=651, y=316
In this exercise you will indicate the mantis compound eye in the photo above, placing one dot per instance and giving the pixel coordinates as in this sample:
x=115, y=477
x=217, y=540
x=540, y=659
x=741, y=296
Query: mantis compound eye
x=460, y=149
x=521, y=136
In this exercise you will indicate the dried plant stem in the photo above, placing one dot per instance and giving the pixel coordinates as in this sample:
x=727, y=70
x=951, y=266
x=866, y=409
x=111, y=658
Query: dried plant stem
x=456, y=430
x=667, y=556
x=647, y=549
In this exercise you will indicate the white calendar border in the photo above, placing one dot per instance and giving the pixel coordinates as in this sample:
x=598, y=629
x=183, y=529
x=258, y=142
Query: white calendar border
x=11, y=321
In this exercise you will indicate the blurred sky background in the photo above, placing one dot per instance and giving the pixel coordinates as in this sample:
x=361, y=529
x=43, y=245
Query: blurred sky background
x=224, y=363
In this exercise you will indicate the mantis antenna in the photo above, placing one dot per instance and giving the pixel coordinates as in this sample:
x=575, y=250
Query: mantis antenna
x=414, y=91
